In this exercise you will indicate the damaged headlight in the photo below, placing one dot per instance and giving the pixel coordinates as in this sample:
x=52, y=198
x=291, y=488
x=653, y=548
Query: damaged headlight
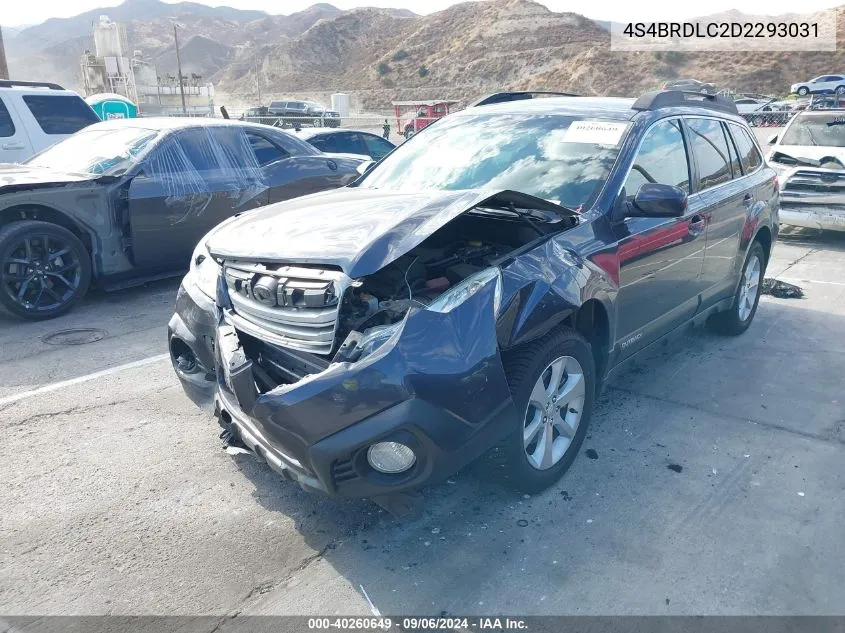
x=204, y=270
x=459, y=293
x=376, y=337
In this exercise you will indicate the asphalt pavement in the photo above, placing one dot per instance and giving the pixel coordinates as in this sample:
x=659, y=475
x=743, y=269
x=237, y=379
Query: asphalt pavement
x=714, y=485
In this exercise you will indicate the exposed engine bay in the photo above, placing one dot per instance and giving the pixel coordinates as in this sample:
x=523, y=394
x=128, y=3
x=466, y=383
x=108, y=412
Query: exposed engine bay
x=465, y=246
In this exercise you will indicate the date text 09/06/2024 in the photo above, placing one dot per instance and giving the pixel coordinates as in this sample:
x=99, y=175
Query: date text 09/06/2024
x=384, y=623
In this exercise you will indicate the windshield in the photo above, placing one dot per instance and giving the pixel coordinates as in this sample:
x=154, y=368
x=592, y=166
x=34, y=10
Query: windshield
x=817, y=129
x=96, y=151
x=537, y=155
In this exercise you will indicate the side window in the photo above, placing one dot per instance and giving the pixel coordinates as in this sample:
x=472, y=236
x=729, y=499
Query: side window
x=182, y=155
x=735, y=168
x=711, y=152
x=749, y=156
x=7, y=126
x=265, y=151
x=199, y=149
x=377, y=147
x=353, y=143
x=327, y=143
x=662, y=159
x=60, y=114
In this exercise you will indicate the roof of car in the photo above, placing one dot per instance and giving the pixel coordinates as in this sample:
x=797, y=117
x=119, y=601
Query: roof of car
x=606, y=107
x=310, y=132
x=173, y=123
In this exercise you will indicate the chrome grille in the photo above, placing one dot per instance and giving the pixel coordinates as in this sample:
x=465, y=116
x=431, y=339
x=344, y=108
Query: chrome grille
x=812, y=181
x=288, y=306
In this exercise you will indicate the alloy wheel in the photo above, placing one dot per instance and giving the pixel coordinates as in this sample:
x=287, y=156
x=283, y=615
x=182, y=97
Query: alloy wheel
x=554, y=412
x=749, y=288
x=41, y=272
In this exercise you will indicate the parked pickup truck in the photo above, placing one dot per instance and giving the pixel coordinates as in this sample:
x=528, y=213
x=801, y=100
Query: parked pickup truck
x=374, y=339
x=304, y=114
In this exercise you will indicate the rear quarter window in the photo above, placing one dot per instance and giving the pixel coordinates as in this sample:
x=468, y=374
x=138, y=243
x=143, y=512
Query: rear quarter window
x=711, y=152
x=60, y=114
x=7, y=126
x=749, y=155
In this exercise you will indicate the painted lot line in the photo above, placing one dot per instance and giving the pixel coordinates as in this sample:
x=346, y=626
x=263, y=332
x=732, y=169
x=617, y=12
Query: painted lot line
x=56, y=386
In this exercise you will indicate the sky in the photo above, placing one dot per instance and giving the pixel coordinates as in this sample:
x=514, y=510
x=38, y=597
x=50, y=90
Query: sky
x=16, y=13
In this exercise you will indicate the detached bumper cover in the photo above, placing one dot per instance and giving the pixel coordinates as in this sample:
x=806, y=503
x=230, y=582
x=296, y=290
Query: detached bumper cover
x=438, y=386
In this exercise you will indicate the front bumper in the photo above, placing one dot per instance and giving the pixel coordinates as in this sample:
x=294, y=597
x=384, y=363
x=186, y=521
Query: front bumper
x=438, y=387
x=814, y=216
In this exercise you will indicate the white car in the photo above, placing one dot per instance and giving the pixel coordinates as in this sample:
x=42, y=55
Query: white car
x=747, y=105
x=823, y=83
x=35, y=115
x=809, y=157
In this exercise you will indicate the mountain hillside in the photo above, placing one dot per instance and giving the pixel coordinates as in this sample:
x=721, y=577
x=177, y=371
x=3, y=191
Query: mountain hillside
x=380, y=55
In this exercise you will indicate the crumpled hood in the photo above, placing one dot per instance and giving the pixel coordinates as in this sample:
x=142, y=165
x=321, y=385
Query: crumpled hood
x=810, y=152
x=360, y=230
x=14, y=176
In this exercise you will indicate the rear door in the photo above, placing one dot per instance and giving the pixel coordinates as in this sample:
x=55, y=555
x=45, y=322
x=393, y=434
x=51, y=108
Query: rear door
x=15, y=146
x=660, y=259
x=723, y=198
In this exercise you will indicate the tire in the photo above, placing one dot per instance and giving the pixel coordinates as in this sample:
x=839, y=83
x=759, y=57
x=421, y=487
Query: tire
x=803, y=91
x=840, y=90
x=738, y=317
x=524, y=368
x=44, y=269
x=408, y=133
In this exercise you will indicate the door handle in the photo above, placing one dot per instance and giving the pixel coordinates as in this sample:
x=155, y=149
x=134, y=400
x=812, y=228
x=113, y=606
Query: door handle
x=13, y=145
x=696, y=224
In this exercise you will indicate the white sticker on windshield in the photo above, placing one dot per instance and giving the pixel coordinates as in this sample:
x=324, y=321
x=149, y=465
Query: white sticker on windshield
x=596, y=132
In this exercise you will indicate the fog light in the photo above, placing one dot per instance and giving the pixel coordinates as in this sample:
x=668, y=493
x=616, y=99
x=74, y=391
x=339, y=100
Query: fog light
x=390, y=457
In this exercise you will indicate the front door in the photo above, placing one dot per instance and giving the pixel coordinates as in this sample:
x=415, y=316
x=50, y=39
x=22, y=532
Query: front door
x=191, y=182
x=660, y=259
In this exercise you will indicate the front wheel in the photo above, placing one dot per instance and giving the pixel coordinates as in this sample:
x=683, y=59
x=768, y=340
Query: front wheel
x=553, y=385
x=409, y=133
x=803, y=91
x=738, y=317
x=44, y=269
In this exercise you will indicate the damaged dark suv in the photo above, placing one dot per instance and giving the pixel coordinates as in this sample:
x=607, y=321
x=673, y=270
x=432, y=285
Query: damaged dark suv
x=476, y=287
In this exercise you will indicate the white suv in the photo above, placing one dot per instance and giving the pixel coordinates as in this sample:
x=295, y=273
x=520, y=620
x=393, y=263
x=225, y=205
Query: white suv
x=35, y=115
x=823, y=83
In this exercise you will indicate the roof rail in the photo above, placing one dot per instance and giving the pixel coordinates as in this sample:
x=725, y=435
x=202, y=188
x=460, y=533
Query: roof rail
x=502, y=97
x=10, y=83
x=679, y=98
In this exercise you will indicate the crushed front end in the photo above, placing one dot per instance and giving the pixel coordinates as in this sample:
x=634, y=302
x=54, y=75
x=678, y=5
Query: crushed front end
x=311, y=370
x=813, y=198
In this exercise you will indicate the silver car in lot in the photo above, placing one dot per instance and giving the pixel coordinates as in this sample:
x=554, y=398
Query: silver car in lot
x=809, y=157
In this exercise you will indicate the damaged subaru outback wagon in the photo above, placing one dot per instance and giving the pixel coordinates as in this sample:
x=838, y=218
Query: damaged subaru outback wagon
x=474, y=288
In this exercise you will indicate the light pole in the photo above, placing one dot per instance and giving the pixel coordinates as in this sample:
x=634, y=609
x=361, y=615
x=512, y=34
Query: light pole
x=179, y=67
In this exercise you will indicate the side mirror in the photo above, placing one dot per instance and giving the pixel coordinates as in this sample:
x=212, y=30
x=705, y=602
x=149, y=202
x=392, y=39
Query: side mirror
x=365, y=167
x=772, y=139
x=655, y=200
